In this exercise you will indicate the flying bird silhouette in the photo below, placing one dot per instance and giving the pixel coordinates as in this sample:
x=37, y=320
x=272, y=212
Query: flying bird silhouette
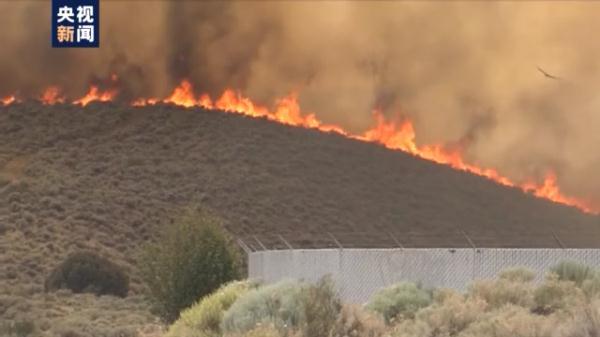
x=550, y=76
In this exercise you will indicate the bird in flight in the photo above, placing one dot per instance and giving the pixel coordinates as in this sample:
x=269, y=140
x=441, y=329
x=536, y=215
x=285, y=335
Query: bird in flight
x=550, y=76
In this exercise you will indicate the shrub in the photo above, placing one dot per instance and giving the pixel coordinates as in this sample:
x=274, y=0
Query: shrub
x=555, y=294
x=573, y=271
x=287, y=306
x=204, y=318
x=322, y=306
x=402, y=299
x=512, y=321
x=517, y=274
x=88, y=272
x=192, y=258
x=21, y=328
x=449, y=314
x=264, y=330
x=591, y=287
x=353, y=321
x=280, y=304
x=513, y=286
x=586, y=322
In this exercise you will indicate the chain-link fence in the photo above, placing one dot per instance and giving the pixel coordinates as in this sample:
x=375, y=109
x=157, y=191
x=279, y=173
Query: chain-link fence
x=360, y=272
x=497, y=238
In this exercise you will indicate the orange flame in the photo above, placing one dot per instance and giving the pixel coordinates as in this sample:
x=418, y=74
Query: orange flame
x=144, y=101
x=182, y=95
x=94, y=94
x=549, y=190
x=8, y=100
x=393, y=135
x=51, y=96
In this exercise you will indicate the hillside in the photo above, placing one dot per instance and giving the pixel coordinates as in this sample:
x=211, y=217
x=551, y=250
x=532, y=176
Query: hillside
x=107, y=177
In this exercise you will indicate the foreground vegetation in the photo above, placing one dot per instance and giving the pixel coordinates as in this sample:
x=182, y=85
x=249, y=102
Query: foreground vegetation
x=192, y=272
x=566, y=303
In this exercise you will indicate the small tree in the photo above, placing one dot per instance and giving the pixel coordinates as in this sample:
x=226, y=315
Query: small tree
x=192, y=258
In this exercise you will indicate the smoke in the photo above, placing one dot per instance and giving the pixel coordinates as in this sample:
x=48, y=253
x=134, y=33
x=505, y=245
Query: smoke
x=465, y=73
x=131, y=49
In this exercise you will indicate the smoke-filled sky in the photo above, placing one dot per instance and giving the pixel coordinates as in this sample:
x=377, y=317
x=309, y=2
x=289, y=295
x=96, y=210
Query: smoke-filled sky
x=465, y=73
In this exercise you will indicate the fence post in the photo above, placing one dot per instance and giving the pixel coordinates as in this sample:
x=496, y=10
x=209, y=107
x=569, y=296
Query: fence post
x=396, y=240
x=259, y=243
x=560, y=243
x=245, y=247
x=335, y=240
x=468, y=240
x=285, y=242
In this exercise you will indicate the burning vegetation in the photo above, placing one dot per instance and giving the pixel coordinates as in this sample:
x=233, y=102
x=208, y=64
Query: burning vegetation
x=396, y=134
x=523, y=115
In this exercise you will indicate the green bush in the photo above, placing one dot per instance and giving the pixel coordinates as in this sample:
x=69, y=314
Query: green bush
x=204, y=318
x=288, y=306
x=280, y=304
x=573, y=271
x=322, y=306
x=88, y=272
x=402, y=299
x=192, y=258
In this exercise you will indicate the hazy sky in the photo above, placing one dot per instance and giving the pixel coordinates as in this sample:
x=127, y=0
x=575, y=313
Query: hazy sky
x=463, y=72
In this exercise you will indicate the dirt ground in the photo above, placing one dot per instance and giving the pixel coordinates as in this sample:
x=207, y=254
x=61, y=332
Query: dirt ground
x=107, y=177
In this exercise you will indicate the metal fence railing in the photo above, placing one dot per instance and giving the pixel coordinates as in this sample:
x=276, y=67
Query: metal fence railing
x=421, y=239
x=360, y=272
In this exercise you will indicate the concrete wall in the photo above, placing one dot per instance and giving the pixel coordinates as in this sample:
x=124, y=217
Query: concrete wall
x=360, y=272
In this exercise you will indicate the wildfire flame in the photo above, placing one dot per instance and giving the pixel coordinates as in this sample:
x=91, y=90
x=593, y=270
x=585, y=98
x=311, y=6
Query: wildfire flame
x=183, y=95
x=94, y=94
x=393, y=135
x=8, y=100
x=52, y=96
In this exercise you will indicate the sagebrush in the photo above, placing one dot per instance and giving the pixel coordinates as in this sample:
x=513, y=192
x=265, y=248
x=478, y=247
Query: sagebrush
x=573, y=271
x=511, y=305
x=402, y=299
x=280, y=304
x=204, y=318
